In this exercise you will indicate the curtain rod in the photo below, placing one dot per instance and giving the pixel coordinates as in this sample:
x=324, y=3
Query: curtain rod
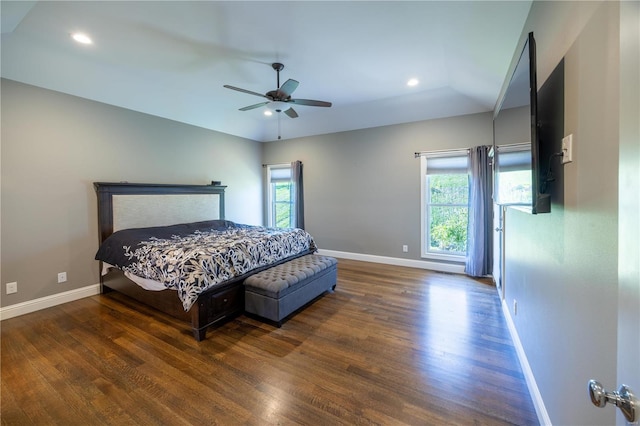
x=280, y=164
x=418, y=154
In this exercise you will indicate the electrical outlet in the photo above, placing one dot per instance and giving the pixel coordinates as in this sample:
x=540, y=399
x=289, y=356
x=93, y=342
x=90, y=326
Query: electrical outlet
x=405, y=248
x=62, y=277
x=515, y=307
x=12, y=288
x=567, y=149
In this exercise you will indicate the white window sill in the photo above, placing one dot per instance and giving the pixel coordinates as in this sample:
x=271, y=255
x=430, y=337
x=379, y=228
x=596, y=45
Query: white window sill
x=445, y=257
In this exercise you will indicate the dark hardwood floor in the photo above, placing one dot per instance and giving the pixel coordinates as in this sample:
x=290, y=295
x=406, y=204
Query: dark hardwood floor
x=392, y=345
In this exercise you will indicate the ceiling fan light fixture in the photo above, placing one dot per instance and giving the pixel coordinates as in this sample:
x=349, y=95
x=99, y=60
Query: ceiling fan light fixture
x=268, y=112
x=81, y=38
x=278, y=106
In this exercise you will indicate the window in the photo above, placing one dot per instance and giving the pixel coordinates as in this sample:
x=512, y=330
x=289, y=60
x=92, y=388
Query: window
x=280, y=204
x=445, y=204
x=513, y=180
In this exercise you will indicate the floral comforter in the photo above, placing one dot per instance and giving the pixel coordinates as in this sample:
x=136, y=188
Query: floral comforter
x=194, y=257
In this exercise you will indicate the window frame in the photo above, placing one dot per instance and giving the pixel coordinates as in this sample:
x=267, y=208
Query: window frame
x=424, y=207
x=270, y=202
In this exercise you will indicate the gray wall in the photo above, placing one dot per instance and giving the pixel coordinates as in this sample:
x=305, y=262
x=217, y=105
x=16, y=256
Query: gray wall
x=54, y=146
x=562, y=267
x=362, y=188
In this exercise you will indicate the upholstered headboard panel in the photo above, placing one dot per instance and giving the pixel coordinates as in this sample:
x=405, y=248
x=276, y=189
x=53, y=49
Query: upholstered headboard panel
x=133, y=205
x=138, y=211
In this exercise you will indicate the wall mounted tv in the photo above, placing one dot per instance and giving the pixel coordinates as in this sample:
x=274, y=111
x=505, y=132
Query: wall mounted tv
x=516, y=144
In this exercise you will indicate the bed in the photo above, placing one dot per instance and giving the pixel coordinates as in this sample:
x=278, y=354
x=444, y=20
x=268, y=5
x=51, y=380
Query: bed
x=146, y=219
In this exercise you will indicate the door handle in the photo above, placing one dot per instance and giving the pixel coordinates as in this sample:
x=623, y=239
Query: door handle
x=624, y=399
x=498, y=229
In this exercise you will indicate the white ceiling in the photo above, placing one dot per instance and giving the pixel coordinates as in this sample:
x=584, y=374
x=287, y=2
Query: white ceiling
x=172, y=58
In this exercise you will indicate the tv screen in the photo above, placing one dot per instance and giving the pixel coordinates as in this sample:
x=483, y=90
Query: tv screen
x=516, y=147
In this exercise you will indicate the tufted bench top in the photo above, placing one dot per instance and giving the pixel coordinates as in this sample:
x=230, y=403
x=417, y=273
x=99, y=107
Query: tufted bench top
x=277, y=280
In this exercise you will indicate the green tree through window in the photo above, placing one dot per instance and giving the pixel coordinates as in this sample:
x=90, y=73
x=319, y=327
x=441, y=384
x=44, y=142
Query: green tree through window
x=282, y=205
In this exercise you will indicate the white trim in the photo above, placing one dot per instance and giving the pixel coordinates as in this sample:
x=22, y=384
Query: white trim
x=424, y=227
x=412, y=263
x=538, y=403
x=269, y=202
x=423, y=203
x=48, y=301
x=447, y=257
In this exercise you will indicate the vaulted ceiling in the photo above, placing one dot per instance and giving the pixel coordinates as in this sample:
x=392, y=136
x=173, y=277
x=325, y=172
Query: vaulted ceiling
x=172, y=58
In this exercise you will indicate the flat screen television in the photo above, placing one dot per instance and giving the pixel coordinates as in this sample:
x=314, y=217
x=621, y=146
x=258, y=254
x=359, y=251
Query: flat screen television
x=516, y=144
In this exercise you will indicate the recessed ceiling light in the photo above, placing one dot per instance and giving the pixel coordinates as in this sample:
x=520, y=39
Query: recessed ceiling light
x=268, y=113
x=81, y=38
x=413, y=82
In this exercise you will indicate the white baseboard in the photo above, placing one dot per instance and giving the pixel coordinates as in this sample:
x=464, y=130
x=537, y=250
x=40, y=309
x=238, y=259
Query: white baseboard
x=538, y=403
x=48, y=301
x=421, y=264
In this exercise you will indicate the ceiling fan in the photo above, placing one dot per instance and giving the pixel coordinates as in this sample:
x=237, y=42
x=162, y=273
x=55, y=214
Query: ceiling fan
x=280, y=97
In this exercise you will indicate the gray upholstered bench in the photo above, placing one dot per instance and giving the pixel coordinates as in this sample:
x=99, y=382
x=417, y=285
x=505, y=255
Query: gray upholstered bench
x=277, y=292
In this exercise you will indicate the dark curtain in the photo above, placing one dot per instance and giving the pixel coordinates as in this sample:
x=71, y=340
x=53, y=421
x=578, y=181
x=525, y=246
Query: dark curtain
x=479, y=232
x=298, y=194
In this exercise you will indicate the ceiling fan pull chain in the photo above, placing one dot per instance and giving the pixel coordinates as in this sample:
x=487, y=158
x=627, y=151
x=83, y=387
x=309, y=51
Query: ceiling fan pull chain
x=279, y=136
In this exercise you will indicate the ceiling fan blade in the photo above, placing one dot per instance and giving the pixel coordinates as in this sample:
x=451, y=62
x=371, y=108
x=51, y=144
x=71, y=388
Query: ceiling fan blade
x=244, y=91
x=287, y=88
x=309, y=102
x=291, y=113
x=247, y=108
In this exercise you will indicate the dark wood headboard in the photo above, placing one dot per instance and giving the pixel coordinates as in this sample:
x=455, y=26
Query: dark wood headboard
x=211, y=207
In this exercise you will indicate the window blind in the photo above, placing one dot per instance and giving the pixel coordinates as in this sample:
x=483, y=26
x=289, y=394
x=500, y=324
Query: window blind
x=514, y=158
x=446, y=165
x=280, y=174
